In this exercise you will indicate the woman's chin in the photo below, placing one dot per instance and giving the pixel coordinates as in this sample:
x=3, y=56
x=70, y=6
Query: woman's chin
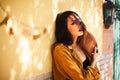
x=80, y=33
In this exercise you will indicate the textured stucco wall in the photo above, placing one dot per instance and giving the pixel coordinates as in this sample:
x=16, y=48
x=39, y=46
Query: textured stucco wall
x=26, y=38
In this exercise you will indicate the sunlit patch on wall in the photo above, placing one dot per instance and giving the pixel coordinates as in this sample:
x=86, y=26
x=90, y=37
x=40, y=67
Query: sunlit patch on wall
x=39, y=66
x=25, y=54
x=36, y=3
x=55, y=8
x=11, y=26
x=13, y=74
x=31, y=22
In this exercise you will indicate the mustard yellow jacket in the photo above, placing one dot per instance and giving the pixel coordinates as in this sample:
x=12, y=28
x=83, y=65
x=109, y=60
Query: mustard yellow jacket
x=68, y=66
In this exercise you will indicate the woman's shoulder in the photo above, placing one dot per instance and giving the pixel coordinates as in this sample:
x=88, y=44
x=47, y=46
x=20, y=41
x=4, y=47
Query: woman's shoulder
x=59, y=46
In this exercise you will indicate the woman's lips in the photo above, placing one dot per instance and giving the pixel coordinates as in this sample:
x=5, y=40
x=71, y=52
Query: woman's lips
x=81, y=29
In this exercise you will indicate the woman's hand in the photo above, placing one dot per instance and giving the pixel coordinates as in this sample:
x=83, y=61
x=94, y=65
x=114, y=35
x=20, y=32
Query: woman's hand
x=95, y=56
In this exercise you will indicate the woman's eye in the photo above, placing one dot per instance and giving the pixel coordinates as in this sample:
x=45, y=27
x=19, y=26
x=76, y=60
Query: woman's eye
x=74, y=22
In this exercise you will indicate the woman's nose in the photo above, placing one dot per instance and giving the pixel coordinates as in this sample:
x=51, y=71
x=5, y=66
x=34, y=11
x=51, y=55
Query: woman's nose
x=79, y=26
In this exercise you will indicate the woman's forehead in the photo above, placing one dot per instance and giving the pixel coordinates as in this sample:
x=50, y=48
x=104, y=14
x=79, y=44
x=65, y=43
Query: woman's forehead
x=75, y=17
x=71, y=17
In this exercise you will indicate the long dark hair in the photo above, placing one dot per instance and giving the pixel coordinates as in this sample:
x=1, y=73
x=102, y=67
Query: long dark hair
x=61, y=31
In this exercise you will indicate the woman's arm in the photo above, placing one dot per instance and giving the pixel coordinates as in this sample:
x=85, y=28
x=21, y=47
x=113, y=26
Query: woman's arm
x=67, y=65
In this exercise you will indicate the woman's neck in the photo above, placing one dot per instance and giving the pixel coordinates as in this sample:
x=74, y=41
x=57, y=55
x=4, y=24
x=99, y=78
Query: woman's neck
x=74, y=42
x=78, y=50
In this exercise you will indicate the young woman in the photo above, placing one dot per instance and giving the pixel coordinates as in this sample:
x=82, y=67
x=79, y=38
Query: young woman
x=75, y=50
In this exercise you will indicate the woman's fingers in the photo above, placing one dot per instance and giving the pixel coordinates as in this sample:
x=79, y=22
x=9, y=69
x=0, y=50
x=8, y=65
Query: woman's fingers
x=96, y=50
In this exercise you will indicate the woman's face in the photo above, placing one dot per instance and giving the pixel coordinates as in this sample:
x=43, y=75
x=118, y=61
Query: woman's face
x=74, y=26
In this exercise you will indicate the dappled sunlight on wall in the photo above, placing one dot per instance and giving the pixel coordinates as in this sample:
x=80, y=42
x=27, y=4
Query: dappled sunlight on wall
x=27, y=33
x=26, y=38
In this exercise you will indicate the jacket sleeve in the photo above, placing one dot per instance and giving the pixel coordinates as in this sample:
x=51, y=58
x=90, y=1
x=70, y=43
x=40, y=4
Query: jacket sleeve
x=68, y=67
